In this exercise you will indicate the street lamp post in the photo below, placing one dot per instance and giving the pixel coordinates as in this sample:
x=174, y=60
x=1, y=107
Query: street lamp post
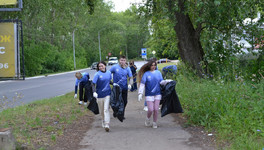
x=123, y=33
x=73, y=47
x=99, y=44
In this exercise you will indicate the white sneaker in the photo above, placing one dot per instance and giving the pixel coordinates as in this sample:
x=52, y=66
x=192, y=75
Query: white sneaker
x=147, y=122
x=154, y=125
x=80, y=102
x=145, y=108
x=107, y=128
x=85, y=104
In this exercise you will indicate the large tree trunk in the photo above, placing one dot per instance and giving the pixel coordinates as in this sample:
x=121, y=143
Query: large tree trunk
x=190, y=49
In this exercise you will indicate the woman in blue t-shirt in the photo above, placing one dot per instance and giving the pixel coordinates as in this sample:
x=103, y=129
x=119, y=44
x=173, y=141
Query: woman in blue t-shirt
x=150, y=79
x=103, y=91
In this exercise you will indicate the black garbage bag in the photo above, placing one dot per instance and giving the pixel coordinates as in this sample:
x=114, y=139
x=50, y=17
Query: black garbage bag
x=89, y=90
x=170, y=100
x=93, y=106
x=117, y=103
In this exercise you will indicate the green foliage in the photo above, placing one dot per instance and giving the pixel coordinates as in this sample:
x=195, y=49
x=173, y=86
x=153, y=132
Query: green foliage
x=163, y=40
x=41, y=58
x=219, y=35
x=48, y=28
x=234, y=108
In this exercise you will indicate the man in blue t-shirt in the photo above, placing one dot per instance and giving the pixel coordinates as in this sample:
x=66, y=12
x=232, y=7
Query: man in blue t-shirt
x=121, y=72
x=82, y=79
x=170, y=70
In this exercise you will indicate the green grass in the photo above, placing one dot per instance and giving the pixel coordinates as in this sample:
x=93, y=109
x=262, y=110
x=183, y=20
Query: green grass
x=233, y=109
x=161, y=65
x=40, y=123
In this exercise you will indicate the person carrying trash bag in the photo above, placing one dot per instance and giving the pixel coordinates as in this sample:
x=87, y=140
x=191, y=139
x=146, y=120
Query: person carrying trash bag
x=150, y=79
x=102, y=81
x=117, y=103
x=82, y=80
x=121, y=72
x=170, y=100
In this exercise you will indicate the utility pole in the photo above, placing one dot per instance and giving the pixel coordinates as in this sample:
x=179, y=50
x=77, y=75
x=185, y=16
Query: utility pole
x=99, y=44
x=126, y=52
x=73, y=46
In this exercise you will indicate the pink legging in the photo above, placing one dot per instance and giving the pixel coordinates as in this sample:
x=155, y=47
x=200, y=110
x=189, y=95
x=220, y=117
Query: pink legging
x=153, y=106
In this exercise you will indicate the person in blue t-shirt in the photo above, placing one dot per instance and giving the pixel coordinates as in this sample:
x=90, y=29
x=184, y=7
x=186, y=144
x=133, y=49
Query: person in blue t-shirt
x=133, y=69
x=121, y=72
x=102, y=81
x=169, y=70
x=150, y=79
x=82, y=79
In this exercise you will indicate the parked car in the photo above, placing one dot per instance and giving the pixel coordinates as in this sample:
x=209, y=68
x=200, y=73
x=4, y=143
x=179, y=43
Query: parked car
x=151, y=58
x=112, y=61
x=94, y=65
x=163, y=60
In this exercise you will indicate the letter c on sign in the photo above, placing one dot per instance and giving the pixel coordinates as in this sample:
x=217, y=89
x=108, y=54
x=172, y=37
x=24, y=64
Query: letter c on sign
x=2, y=52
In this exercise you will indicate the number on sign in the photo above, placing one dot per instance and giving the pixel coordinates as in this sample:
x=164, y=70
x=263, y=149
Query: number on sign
x=4, y=65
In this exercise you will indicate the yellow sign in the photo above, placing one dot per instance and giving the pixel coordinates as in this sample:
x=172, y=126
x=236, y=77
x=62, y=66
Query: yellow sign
x=8, y=2
x=7, y=50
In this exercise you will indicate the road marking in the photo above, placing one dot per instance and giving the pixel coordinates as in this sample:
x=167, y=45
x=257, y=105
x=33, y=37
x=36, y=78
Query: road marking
x=42, y=76
x=56, y=74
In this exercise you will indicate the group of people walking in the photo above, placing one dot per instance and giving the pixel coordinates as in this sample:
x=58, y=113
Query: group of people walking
x=149, y=79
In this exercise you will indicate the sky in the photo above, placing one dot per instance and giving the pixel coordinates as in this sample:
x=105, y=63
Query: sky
x=122, y=5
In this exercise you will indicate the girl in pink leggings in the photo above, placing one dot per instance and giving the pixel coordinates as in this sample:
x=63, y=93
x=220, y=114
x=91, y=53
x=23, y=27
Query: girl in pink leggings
x=150, y=79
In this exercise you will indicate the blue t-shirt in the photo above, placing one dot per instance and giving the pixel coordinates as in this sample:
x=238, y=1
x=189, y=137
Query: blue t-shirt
x=120, y=75
x=170, y=68
x=152, y=82
x=84, y=80
x=102, y=81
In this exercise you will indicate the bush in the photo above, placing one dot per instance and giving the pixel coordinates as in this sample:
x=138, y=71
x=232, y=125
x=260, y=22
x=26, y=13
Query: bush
x=42, y=58
x=234, y=108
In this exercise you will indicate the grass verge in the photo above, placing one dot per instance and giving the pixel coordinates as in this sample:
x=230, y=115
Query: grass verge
x=233, y=109
x=39, y=124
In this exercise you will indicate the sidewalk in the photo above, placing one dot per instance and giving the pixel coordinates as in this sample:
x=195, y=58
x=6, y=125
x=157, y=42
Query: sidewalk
x=133, y=135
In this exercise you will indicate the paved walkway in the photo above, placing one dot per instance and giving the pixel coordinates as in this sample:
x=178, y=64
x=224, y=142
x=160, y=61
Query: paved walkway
x=133, y=135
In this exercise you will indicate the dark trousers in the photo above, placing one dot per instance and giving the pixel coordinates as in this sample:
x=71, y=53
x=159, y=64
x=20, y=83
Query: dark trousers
x=83, y=92
x=134, y=86
x=124, y=96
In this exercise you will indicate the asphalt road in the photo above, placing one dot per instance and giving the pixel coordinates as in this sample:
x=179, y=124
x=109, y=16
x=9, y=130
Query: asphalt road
x=37, y=88
x=18, y=92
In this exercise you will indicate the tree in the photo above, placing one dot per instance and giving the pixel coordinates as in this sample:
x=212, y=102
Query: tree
x=192, y=17
x=48, y=28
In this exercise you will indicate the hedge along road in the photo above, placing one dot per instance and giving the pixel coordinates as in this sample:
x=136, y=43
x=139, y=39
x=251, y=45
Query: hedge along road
x=18, y=92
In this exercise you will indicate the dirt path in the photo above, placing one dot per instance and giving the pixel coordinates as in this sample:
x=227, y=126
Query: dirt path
x=132, y=133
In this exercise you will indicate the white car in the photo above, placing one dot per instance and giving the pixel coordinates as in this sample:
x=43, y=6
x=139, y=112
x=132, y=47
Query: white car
x=112, y=60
